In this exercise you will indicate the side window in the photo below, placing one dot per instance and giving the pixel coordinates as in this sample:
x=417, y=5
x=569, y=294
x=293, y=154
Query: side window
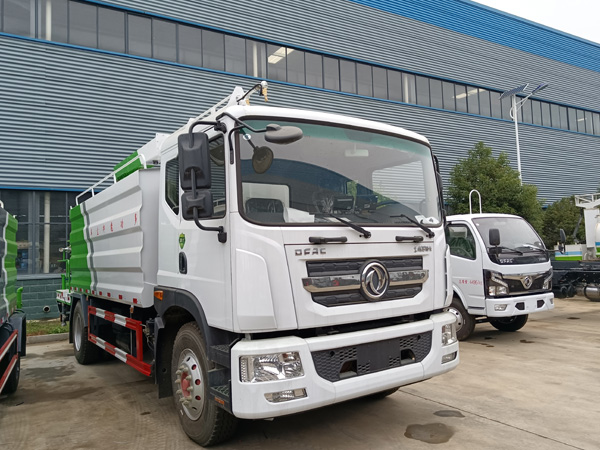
x=217, y=170
x=172, y=185
x=461, y=241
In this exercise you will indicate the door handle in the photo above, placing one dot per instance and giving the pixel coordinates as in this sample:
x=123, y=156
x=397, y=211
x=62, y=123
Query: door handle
x=182, y=263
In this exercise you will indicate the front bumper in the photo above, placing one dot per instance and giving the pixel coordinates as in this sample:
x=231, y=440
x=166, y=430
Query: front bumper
x=249, y=401
x=516, y=306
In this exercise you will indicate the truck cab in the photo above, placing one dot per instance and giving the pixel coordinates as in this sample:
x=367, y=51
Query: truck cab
x=501, y=271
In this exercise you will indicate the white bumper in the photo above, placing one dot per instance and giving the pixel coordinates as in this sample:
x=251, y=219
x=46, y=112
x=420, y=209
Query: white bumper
x=516, y=306
x=248, y=399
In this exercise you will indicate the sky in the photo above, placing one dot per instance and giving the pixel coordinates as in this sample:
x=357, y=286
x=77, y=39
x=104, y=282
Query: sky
x=578, y=17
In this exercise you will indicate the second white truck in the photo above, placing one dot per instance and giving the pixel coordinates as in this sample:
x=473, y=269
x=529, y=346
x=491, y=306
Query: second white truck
x=501, y=271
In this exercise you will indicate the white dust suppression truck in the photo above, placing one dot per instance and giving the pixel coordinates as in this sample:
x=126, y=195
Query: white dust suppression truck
x=501, y=271
x=264, y=261
x=12, y=320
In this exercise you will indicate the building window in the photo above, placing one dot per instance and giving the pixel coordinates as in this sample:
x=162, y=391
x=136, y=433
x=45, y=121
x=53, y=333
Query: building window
x=364, y=76
x=409, y=88
x=596, y=123
x=19, y=17
x=435, y=93
x=380, y=83
x=394, y=79
x=256, y=59
x=331, y=72
x=83, y=24
x=111, y=30
x=139, y=36
x=213, y=50
x=460, y=97
x=53, y=23
x=295, y=66
x=448, y=96
x=164, y=40
x=473, y=100
x=484, y=103
x=190, y=44
x=314, y=70
x=276, y=62
x=348, y=76
x=43, y=228
x=422, y=84
x=235, y=54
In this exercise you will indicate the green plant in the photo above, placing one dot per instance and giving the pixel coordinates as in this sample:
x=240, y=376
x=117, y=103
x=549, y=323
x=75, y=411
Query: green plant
x=40, y=327
x=562, y=214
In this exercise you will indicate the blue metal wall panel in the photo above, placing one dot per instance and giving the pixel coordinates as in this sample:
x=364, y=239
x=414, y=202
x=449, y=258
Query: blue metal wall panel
x=489, y=24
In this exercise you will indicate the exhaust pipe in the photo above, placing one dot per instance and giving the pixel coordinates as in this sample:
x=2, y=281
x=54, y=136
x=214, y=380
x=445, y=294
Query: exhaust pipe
x=591, y=292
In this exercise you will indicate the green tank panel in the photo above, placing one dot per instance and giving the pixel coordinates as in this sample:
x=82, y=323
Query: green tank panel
x=81, y=276
x=8, y=269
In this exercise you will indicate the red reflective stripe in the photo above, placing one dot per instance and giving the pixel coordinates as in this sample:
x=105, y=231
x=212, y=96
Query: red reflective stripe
x=110, y=348
x=9, y=369
x=92, y=310
x=92, y=338
x=142, y=367
x=11, y=339
x=109, y=316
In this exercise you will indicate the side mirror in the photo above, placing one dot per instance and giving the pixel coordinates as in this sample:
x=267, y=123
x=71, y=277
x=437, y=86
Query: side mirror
x=194, y=161
x=203, y=201
x=494, y=237
x=563, y=236
x=282, y=135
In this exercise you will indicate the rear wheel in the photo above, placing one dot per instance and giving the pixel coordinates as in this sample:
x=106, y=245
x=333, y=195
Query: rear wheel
x=202, y=420
x=513, y=323
x=86, y=352
x=465, y=323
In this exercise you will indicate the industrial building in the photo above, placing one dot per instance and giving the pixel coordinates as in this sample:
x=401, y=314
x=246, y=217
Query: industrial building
x=85, y=83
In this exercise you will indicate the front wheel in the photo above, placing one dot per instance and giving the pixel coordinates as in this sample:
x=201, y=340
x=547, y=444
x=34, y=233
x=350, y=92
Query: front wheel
x=202, y=420
x=513, y=323
x=465, y=323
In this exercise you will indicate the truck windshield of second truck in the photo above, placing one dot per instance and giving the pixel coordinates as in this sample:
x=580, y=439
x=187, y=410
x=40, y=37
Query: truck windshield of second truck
x=363, y=176
x=519, y=243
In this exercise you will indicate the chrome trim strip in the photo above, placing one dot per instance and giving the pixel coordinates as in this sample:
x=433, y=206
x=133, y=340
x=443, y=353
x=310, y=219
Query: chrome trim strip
x=350, y=282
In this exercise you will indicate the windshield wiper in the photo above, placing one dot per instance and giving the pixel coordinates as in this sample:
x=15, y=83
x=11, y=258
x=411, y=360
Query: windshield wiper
x=427, y=230
x=501, y=248
x=533, y=247
x=365, y=233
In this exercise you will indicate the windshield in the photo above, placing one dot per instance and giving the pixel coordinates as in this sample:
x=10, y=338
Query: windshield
x=362, y=176
x=519, y=243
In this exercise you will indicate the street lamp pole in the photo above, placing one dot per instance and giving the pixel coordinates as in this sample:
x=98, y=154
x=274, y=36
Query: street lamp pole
x=514, y=110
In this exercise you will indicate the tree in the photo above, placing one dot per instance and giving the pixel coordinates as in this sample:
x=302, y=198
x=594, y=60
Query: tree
x=562, y=214
x=499, y=185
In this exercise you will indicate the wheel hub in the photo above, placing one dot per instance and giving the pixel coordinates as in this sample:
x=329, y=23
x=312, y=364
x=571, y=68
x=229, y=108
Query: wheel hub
x=189, y=382
x=459, y=318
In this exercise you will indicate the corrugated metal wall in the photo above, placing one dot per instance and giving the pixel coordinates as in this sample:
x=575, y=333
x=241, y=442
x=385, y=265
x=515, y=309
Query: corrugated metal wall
x=68, y=115
x=346, y=28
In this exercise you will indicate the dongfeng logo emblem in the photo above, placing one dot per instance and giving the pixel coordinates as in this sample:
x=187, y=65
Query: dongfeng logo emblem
x=374, y=280
x=527, y=282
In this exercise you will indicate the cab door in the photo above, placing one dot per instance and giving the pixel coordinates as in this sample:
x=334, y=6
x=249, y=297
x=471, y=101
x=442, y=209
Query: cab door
x=467, y=266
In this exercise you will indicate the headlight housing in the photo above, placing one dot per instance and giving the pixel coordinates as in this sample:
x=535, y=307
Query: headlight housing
x=448, y=334
x=548, y=281
x=496, y=286
x=270, y=367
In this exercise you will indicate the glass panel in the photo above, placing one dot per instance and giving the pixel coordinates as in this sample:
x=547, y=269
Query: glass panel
x=25, y=249
x=276, y=62
x=555, y=116
x=139, y=36
x=435, y=92
x=461, y=97
x=423, y=91
x=51, y=237
x=295, y=66
x=484, y=102
x=18, y=203
x=365, y=79
x=111, y=30
x=19, y=17
x=473, y=100
x=589, y=127
x=52, y=207
x=495, y=104
x=235, y=54
x=53, y=20
x=306, y=185
x=213, y=50
x=395, y=85
x=164, y=40
x=380, y=82
x=506, y=104
x=448, y=94
x=172, y=185
x=83, y=24
x=580, y=121
x=536, y=112
x=461, y=241
x=256, y=59
x=314, y=70
x=526, y=114
x=348, y=76
x=596, y=123
x=331, y=70
x=572, y=114
x=409, y=88
x=217, y=173
x=546, y=119
x=190, y=44
x=564, y=119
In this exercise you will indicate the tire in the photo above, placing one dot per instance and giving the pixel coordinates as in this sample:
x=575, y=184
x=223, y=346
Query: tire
x=202, y=420
x=383, y=394
x=86, y=352
x=513, y=323
x=465, y=323
x=13, y=380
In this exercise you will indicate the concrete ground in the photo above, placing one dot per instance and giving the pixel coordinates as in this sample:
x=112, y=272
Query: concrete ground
x=538, y=388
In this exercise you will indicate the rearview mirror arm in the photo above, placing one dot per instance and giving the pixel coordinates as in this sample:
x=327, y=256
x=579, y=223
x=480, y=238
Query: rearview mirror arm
x=222, y=236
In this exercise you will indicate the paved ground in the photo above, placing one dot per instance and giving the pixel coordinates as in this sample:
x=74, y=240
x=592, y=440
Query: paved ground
x=538, y=388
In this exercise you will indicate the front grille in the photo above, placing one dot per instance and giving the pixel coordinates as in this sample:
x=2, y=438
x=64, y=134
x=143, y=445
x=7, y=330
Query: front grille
x=516, y=285
x=354, y=361
x=353, y=295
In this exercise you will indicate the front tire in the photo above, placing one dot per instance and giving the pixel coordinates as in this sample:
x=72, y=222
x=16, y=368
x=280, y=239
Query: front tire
x=465, y=323
x=202, y=420
x=86, y=352
x=513, y=323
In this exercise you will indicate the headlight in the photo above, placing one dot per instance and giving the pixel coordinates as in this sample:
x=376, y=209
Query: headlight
x=272, y=367
x=448, y=334
x=548, y=281
x=496, y=285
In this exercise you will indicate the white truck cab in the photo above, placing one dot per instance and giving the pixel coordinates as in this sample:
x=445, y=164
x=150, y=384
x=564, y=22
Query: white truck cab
x=501, y=271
